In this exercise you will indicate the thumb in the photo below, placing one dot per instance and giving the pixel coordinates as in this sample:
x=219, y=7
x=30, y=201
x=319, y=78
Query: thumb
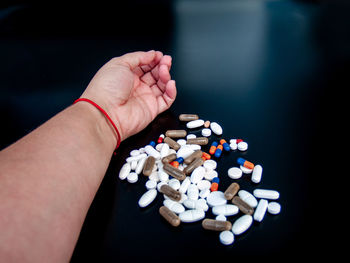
x=139, y=58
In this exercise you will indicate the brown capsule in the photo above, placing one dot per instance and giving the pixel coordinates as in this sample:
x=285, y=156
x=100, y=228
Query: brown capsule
x=148, y=166
x=169, y=158
x=231, y=191
x=173, y=144
x=198, y=140
x=170, y=192
x=216, y=225
x=243, y=206
x=195, y=163
x=169, y=216
x=194, y=155
x=174, y=172
x=176, y=133
x=188, y=117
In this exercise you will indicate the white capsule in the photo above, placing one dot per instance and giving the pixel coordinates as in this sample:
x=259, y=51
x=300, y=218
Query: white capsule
x=184, y=151
x=242, y=224
x=248, y=198
x=192, y=215
x=192, y=192
x=124, y=171
x=185, y=184
x=174, y=206
x=132, y=178
x=216, y=128
x=152, y=152
x=151, y=184
x=203, y=184
x=140, y=165
x=234, y=173
x=242, y=146
x=257, y=173
x=226, y=237
x=210, y=165
x=147, y=198
x=216, y=198
x=226, y=210
x=197, y=174
x=194, y=124
x=136, y=158
x=260, y=210
x=274, y=208
x=206, y=132
x=266, y=194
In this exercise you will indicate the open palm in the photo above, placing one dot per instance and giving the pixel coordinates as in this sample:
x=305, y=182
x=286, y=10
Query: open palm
x=133, y=89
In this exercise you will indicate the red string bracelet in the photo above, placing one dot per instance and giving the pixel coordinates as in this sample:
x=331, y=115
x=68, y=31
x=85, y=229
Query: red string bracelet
x=104, y=113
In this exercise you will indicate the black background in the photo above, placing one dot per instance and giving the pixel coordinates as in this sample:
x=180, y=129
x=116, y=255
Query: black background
x=273, y=73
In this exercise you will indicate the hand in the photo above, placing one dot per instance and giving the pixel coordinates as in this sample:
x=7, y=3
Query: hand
x=133, y=89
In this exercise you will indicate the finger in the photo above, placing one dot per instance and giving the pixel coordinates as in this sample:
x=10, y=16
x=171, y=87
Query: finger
x=164, y=77
x=165, y=60
x=168, y=97
x=154, y=63
x=148, y=79
x=139, y=58
x=138, y=71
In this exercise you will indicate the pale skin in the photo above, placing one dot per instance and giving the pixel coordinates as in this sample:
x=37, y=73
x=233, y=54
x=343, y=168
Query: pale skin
x=49, y=178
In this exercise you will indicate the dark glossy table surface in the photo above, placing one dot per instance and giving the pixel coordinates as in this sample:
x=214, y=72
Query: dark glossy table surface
x=267, y=71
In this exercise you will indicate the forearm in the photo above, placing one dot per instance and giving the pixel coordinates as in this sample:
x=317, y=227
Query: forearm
x=48, y=180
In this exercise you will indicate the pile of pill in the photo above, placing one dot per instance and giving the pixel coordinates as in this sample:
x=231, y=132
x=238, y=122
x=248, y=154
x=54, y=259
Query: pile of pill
x=185, y=175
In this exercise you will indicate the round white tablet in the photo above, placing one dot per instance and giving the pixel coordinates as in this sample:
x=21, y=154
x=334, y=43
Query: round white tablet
x=274, y=208
x=246, y=170
x=210, y=165
x=181, y=142
x=151, y=184
x=234, y=173
x=221, y=217
x=132, y=177
x=209, y=175
x=203, y=184
x=174, y=183
x=226, y=237
x=242, y=146
x=206, y=132
x=216, y=198
x=233, y=146
x=191, y=136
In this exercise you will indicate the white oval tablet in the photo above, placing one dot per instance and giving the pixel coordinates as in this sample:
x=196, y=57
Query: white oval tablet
x=181, y=142
x=134, y=153
x=174, y=206
x=136, y=158
x=140, y=165
x=189, y=203
x=185, y=184
x=209, y=175
x=165, y=150
x=174, y=183
x=226, y=210
x=266, y=194
x=226, y=237
x=216, y=128
x=132, y=177
x=274, y=208
x=151, y=184
x=192, y=192
x=242, y=224
x=159, y=146
x=220, y=218
x=124, y=171
x=204, y=193
x=216, y=198
x=154, y=176
x=194, y=124
x=210, y=165
x=192, y=215
x=184, y=151
x=202, y=204
x=242, y=146
x=147, y=198
x=248, y=198
x=260, y=210
x=246, y=170
x=197, y=174
x=257, y=173
x=152, y=152
x=234, y=173
x=203, y=184
x=206, y=132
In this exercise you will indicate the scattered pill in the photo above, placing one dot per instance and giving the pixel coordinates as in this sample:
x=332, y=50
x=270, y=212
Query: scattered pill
x=245, y=163
x=137, y=157
x=184, y=185
x=124, y=171
x=214, y=186
x=231, y=191
x=151, y=184
x=161, y=138
x=226, y=210
x=242, y=146
x=147, y=197
x=198, y=140
x=216, y=128
x=194, y=124
x=169, y=158
x=233, y=146
x=192, y=215
x=257, y=173
x=225, y=145
x=226, y=237
x=218, y=151
x=174, y=183
x=248, y=198
x=135, y=153
x=213, y=147
x=266, y=194
x=140, y=165
x=197, y=174
x=173, y=144
x=206, y=132
x=191, y=136
x=242, y=224
x=188, y=117
x=216, y=225
x=152, y=152
x=193, y=165
x=260, y=210
x=206, y=156
x=274, y=208
x=170, y=192
x=185, y=151
x=210, y=165
x=206, y=124
x=132, y=177
x=245, y=170
x=148, y=165
x=243, y=206
x=174, y=172
x=234, y=173
x=216, y=198
x=176, y=133
x=169, y=216
x=174, y=206
x=221, y=217
x=192, y=192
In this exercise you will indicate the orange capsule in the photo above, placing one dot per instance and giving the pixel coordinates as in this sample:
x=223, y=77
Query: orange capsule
x=206, y=155
x=214, y=187
x=213, y=148
x=175, y=164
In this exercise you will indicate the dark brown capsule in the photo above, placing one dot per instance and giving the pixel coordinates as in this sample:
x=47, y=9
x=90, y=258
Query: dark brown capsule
x=176, y=133
x=173, y=144
x=216, y=225
x=194, y=155
x=188, y=117
x=169, y=158
x=231, y=191
x=170, y=192
x=193, y=165
x=174, y=172
x=149, y=165
x=198, y=140
x=243, y=206
x=169, y=216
